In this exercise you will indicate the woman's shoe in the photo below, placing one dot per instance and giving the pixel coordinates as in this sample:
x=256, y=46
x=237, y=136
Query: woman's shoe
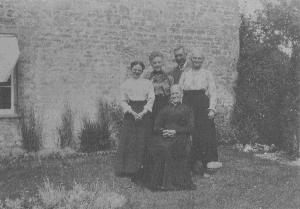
x=214, y=165
x=206, y=175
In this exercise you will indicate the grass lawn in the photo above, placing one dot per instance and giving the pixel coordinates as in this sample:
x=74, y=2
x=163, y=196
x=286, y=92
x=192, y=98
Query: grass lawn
x=243, y=182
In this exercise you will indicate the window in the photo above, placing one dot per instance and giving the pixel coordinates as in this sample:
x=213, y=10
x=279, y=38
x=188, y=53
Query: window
x=9, y=54
x=5, y=94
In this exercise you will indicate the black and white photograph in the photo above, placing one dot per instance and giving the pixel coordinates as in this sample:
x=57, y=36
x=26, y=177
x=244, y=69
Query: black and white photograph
x=149, y=104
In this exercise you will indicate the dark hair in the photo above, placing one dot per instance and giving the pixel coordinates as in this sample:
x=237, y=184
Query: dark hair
x=155, y=54
x=178, y=48
x=132, y=64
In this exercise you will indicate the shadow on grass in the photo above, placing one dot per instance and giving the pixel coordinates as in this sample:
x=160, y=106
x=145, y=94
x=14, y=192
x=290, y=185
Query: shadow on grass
x=243, y=182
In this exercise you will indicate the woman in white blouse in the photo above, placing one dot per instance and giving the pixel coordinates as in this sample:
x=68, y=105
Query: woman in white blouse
x=199, y=92
x=137, y=97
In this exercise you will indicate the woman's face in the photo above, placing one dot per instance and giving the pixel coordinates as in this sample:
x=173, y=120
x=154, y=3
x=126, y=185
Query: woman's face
x=157, y=63
x=197, y=61
x=175, y=96
x=136, y=70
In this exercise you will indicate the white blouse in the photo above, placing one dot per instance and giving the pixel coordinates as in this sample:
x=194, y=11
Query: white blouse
x=137, y=90
x=201, y=79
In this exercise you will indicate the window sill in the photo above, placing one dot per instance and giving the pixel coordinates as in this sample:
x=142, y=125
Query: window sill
x=9, y=116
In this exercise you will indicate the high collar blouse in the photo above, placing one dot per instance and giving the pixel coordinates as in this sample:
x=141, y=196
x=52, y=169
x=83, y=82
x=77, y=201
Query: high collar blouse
x=137, y=90
x=201, y=79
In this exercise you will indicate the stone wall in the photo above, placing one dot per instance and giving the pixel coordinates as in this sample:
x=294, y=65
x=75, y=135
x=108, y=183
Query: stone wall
x=77, y=51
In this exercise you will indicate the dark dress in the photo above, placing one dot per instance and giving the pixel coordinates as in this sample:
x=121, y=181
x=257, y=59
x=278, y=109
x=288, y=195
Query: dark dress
x=162, y=84
x=204, y=143
x=167, y=167
x=134, y=136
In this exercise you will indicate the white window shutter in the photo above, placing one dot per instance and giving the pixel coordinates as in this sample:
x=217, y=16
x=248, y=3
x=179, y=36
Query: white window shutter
x=9, y=54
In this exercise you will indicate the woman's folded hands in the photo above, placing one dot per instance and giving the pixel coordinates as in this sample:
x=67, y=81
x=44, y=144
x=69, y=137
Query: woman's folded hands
x=168, y=133
x=138, y=116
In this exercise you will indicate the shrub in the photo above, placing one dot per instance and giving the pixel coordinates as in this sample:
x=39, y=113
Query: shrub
x=290, y=114
x=226, y=134
x=116, y=115
x=51, y=196
x=31, y=131
x=244, y=127
x=95, y=196
x=93, y=136
x=267, y=90
x=65, y=131
x=104, y=115
x=98, y=135
x=289, y=123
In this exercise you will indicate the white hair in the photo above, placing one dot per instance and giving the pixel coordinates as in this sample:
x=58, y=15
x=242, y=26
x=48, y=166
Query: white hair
x=197, y=52
x=176, y=87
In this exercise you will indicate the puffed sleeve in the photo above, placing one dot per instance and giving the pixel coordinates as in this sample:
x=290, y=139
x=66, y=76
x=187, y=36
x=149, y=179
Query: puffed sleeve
x=124, y=99
x=212, y=91
x=150, y=97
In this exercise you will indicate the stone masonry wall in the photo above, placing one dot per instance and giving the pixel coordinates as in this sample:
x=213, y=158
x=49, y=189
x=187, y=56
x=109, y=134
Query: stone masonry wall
x=77, y=51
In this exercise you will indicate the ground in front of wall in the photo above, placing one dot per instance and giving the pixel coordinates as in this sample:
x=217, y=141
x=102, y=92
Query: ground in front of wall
x=243, y=182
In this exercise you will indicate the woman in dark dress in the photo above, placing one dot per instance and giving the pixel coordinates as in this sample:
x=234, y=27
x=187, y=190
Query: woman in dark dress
x=169, y=149
x=161, y=81
x=199, y=93
x=137, y=97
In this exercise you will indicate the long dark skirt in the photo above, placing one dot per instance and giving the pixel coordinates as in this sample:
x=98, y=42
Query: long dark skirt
x=167, y=166
x=159, y=102
x=204, y=142
x=133, y=138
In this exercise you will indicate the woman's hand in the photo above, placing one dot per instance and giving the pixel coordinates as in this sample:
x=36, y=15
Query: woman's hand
x=169, y=133
x=211, y=114
x=141, y=114
x=172, y=133
x=135, y=115
x=165, y=133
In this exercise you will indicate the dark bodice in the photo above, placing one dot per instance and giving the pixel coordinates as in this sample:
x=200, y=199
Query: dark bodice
x=179, y=118
x=161, y=82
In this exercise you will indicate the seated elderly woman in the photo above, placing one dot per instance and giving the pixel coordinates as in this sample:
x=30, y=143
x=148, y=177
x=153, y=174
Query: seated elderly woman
x=168, y=167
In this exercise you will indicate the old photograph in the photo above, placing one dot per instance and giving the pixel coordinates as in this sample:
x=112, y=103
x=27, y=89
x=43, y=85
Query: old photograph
x=149, y=104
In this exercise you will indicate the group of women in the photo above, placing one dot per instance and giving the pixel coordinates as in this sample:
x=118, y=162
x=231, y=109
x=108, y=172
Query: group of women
x=167, y=128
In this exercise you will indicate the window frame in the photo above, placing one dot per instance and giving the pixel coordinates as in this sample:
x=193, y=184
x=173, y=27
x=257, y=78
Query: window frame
x=12, y=112
x=13, y=93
